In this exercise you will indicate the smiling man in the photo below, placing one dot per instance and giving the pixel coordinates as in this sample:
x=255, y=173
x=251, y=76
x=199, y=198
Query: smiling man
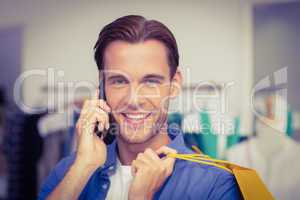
x=139, y=59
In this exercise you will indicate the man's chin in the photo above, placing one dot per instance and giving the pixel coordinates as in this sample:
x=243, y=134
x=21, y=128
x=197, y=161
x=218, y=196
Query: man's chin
x=136, y=137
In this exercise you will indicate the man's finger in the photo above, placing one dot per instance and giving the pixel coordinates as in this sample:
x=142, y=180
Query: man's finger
x=142, y=157
x=135, y=166
x=165, y=150
x=100, y=103
x=96, y=95
x=167, y=161
x=103, y=105
x=152, y=155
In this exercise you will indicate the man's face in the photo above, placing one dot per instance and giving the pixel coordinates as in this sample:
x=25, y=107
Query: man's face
x=138, y=87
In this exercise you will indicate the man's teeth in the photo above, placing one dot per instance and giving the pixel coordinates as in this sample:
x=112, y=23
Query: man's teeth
x=136, y=116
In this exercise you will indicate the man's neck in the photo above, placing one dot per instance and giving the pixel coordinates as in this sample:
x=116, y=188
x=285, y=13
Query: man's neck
x=127, y=152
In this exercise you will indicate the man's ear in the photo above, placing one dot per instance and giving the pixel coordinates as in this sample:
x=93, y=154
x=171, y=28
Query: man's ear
x=176, y=84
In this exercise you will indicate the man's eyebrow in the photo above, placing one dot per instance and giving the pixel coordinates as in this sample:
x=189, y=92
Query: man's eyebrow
x=156, y=76
x=148, y=76
x=116, y=76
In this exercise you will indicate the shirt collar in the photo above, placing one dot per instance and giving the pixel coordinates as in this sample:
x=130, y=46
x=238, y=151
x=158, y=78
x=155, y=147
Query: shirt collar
x=177, y=143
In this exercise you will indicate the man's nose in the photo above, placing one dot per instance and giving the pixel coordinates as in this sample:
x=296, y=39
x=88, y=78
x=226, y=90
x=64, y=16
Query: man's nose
x=136, y=99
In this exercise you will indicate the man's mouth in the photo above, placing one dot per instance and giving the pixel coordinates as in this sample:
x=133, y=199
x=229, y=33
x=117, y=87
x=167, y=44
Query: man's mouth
x=135, y=119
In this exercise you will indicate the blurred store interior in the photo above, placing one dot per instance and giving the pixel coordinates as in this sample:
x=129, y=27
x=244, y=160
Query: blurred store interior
x=240, y=58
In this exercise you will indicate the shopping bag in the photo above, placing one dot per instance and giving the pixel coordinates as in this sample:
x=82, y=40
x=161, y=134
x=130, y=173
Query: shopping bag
x=250, y=184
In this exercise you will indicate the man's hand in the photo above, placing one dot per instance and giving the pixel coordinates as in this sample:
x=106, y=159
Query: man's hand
x=150, y=172
x=91, y=150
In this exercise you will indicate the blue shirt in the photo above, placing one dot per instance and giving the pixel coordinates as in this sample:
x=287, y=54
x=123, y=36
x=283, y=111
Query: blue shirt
x=189, y=180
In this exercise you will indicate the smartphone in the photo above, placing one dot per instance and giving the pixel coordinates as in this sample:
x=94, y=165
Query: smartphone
x=108, y=137
x=101, y=96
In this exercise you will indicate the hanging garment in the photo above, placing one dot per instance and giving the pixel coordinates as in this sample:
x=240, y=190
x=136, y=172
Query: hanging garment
x=70, y=141
x=175, y=118
x=235, y=136
x=198, y=130
x=53, y=152
x=54, y=122
x=53, y=128
x=23, y=148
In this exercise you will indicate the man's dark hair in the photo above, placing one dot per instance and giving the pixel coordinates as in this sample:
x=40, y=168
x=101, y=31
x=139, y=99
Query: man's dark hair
x=134, y=29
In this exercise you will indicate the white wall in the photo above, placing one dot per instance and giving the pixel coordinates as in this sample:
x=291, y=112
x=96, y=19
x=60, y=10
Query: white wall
x=214, y=38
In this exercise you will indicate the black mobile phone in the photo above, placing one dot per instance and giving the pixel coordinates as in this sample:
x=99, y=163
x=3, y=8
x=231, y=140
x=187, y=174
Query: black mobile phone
x=101, y=96
x=108, y=138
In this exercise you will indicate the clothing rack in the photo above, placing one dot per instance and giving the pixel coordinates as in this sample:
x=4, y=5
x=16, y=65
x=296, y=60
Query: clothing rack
x=209, y=88
x=64, y=88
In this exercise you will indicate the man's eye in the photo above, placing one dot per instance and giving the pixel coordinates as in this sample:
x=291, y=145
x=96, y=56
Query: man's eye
x=119, y=82
x=152, y=82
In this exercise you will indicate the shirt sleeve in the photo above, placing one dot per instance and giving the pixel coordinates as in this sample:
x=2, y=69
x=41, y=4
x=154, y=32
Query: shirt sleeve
x=56, y=175
x=225, y=188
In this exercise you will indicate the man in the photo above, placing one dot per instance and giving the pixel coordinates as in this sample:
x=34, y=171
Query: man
x=139, y=58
